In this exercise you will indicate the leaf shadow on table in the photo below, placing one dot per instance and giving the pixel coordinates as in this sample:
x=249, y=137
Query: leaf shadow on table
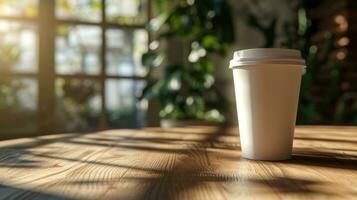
x=151, y=139
x=178, y=185
x=14, y=156
x=10, y=192
x=193, y=171
x=184, y=179
x=337, y=153
x=192, y=130
x=10, y=158
x=139, y=143
x=318, y=158
x=326, y=140
x=19, y=162
x=336, y=158
x=323, y=159
x=105, y=164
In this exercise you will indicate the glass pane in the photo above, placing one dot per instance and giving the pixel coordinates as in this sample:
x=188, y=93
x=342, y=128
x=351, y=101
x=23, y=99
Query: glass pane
x=83, y=10
x=126, y=11
x=18, y=106
x=124, y=51
x=18, y=42
x=19, y=8
x=78, y=49
x=78, y=104
x=122, y=105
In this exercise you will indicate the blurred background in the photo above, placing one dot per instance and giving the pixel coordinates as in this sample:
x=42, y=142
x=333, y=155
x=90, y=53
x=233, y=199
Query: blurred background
x=87, y=65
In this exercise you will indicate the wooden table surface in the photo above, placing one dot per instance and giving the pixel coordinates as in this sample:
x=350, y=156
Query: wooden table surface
x=182, y=163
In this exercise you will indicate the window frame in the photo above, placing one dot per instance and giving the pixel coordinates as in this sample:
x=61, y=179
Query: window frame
x=46, y=23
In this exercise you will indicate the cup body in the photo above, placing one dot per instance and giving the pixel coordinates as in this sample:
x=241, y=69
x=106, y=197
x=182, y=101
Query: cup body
x=267, y=100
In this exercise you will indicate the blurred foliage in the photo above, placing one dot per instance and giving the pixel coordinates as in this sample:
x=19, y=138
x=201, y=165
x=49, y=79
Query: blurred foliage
x=124, y=117
x=9, y=55
x=14, y=114
x=75, y=111
x=129, y=12
x=334, y=106
x=25, y=8
x=88, y=10
x=269, y=31
x=12, y=110
x=189, y=92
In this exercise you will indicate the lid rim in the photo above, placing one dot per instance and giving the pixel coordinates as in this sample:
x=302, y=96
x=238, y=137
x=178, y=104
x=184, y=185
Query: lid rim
x=235, y=64
x=266, y=56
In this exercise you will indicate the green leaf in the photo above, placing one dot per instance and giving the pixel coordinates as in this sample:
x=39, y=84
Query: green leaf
x=210, y=42
x=152, y=90
x=148, y=58
x=172, y=68
x=156, y=23
x=204, y=65
x=166, y=35
x=223, y=23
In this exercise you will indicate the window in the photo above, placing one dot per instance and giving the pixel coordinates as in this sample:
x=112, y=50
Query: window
x=71, y=65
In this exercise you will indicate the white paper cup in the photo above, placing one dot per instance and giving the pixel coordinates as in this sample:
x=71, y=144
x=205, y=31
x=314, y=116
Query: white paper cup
x=267, y=84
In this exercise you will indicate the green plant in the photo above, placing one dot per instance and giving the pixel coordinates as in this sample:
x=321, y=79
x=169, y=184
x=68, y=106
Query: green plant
x=330, y=107
x=189, y=91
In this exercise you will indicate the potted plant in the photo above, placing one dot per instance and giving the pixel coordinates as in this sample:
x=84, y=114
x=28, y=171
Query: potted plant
x=187, y=92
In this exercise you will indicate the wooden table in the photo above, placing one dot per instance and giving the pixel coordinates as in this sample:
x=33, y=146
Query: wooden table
x=182, y=163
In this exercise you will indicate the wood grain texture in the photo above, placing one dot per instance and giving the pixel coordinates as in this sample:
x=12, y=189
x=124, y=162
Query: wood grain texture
x=182, y=163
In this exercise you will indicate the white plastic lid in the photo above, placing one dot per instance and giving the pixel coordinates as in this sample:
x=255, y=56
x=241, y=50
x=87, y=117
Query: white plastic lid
x=266, y=56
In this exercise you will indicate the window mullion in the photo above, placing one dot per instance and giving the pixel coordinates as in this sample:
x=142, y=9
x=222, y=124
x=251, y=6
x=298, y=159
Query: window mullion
x=46, y=72
x=103, y=117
